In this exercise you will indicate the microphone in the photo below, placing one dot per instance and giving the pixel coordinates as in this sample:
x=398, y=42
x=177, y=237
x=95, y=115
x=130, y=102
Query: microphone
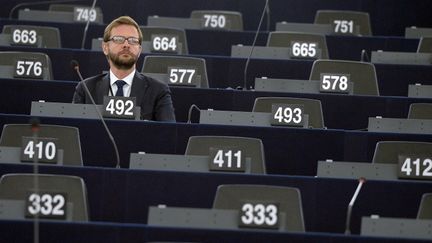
x=364, y=56
x=75, y=66
x=86, y=26
x=268, y=17
x=28, y=4
x=253, y=45
x=351, y=204
x=35, y=127
x=190, y=112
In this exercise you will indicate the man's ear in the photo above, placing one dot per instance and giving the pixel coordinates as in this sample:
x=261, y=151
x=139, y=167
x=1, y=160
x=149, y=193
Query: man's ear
x=105, y=47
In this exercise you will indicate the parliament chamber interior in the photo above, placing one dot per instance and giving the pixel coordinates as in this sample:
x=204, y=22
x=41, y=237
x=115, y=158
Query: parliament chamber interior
x=296, y=121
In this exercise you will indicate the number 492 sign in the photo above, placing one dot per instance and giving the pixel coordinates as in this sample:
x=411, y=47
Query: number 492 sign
x=119, y=107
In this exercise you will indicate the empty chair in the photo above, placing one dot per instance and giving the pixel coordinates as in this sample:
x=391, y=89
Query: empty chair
x=18, y=187
x=361, y=74
x=312, y=107
x=194, y=69
x=389, y=151
x=420, y=111
x=32, y=65
x=288, y=200
x=49, y=36
x=149, y=31
x=216, y=19
x=425, y=209
x=250, y=147
x=68, y=139
x=425, y=45
x=345, y=22
x=287, y=39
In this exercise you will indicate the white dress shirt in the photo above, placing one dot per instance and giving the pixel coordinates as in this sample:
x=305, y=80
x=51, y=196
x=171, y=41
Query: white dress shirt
x=126, y=88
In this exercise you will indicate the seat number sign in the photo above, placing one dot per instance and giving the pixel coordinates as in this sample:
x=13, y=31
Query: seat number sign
x=27, y=37
x=415, y=167
x=287, y=115
x=46, y=205
x=343, y=26
x=334, y=83
x=26, y=68
x=182, y=76
x=164, y=43
x=119, y=107
x=226, y=159
x=304, y=49
x=42, y=150
x=214, y=21
x=84, y=14
x=259, y=215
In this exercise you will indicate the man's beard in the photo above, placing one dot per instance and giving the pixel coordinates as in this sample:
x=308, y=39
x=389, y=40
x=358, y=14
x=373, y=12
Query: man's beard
x=123, y=63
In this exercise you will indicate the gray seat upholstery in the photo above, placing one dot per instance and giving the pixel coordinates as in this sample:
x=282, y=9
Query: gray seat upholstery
x=425, y=45
x=148, y=31
x=362, y=74
x=68, y=139
x=160, y=65
x=389, y=151
x=288, y=198
x=284, y=39
x=16, y=187
x=360, y=19
x=8, y=61
x=420, y=111
x=50, y=35
x=234, y=19
x=425, y=209
x=312, y=107
x=250, y=147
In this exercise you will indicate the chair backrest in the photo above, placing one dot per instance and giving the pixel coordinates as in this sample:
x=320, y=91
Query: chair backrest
x=149, y=31
x=288, y=39
x=425, y=45
x=345, y=22
x=162, y=64
x=425, y=209
x=420, y=111
x=250, y=147
x=361, y=74
x=50, y=36
x=312, y=107
x=389, y=151
x=217, y=19
x=288, y=200
x=18, y=186
x=68, y=139
x=20, y=64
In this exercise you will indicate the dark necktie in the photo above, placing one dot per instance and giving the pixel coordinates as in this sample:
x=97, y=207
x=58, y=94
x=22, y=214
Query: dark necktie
x=120, y=84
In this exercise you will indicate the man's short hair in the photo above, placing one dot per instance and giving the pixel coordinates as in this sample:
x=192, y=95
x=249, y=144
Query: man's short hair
x=120, y=21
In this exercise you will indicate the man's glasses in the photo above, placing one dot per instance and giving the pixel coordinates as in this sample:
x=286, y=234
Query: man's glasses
x=121, y=39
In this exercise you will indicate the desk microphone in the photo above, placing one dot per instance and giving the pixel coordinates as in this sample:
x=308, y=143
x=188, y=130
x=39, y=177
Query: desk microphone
x=253, y=45
x=351, y=204
x=86, y=26
x=190, y=112
x=268, y=17
x=364, y=56
x=35, y=128
x=75, y=66
x=28, y=4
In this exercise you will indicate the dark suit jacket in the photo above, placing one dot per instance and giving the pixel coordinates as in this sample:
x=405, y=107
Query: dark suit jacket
x=154, y=97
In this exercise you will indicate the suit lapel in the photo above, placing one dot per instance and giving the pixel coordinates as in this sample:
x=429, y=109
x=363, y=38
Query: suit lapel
x=139, y=87
x=102, y=88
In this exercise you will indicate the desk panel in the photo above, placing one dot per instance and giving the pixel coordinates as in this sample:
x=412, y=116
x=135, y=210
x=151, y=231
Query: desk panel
x=130, y=192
